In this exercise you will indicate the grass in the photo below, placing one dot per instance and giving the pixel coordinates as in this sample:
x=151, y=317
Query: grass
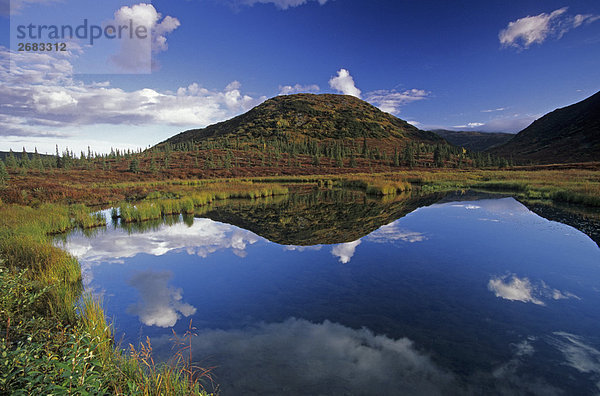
x=52, y=341
x=155, y=206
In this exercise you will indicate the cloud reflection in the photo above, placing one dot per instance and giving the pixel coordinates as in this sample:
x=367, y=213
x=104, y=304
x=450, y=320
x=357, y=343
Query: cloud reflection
x=297, y=357
x=579, y=354
x=513, y=288
x=202, y=238
x=392, y=232
x=160, y=304
x=345, y=251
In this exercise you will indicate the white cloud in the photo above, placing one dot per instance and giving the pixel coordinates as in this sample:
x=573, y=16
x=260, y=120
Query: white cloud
x=469, y=125
x=467, y=206
x=392, y=232
x=39, y=95
x=345, y=251
x=160, y=304
x=493, y=110
x=282, y=4
x=289, y=89
x=509, y=124
x=344, y=83
x=524, y=32
x=580, y=355
x=202, y=238
x=135, y=54
x=514, y=288
x=297, y=357
x=390, y=101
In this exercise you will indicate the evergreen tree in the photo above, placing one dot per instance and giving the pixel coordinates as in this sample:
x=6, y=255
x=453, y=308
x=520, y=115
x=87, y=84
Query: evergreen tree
x=153, y=168
x=25, y=163
x=438, y=160
x=352, y=160
x=3, y=173
x=11, y=160
x=134, y=165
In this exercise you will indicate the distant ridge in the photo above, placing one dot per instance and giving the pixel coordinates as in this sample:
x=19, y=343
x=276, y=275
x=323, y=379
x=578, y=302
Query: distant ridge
x=569, y=134
x=474, y=140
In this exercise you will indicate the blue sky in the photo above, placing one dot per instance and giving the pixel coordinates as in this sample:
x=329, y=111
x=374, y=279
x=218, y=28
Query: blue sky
x=479, y=65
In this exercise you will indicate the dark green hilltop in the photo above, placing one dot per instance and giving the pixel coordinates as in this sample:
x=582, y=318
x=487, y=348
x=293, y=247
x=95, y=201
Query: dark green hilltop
x=301, y=116
x=569, y=134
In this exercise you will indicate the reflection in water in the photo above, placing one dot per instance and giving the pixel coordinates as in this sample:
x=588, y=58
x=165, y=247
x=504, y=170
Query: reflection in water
x=201, y=238
x=345, y=251
x=450, y=277
x=579, y=355
x=160, y=304
x=392, y=232
x=297, y=357
x=521, y=289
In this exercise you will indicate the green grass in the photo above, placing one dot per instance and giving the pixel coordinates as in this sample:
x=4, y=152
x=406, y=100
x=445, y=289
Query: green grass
x=53, y=341
x=155, y=207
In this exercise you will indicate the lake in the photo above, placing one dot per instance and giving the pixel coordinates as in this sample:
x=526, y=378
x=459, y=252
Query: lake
x=336, y=293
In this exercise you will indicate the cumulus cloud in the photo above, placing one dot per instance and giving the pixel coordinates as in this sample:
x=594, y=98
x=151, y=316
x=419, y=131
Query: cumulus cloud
x=135, y=54
x=297, y=357
x=514, y=288
x=282, y=4
x=530, y=30
x=293, y=89
x=39, y=92
x=390, y=101
x=344, y=83
x=345, y=251
x=160, y=304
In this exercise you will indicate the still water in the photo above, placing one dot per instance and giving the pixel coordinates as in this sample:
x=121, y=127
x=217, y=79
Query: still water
x=337, y=294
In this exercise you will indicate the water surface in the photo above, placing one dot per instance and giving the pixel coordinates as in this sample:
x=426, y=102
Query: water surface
x=334, y=293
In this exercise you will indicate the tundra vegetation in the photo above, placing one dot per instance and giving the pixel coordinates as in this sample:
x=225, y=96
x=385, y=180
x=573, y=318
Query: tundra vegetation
x=56, y=340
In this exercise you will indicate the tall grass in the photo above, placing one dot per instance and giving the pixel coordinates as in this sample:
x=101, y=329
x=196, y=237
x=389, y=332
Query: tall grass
x=51, y=340
x=188, y=203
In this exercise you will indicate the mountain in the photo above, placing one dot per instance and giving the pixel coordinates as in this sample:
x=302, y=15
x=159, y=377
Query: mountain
x=569, y=134
x=301, y=116
x=474, y=141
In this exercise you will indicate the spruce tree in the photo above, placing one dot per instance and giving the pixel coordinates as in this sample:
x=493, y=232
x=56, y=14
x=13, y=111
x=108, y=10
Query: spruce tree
x=3, y=173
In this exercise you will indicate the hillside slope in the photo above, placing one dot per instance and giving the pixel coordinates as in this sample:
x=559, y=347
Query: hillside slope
x=301, y=116
x=569, y=134
x=473, y=140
